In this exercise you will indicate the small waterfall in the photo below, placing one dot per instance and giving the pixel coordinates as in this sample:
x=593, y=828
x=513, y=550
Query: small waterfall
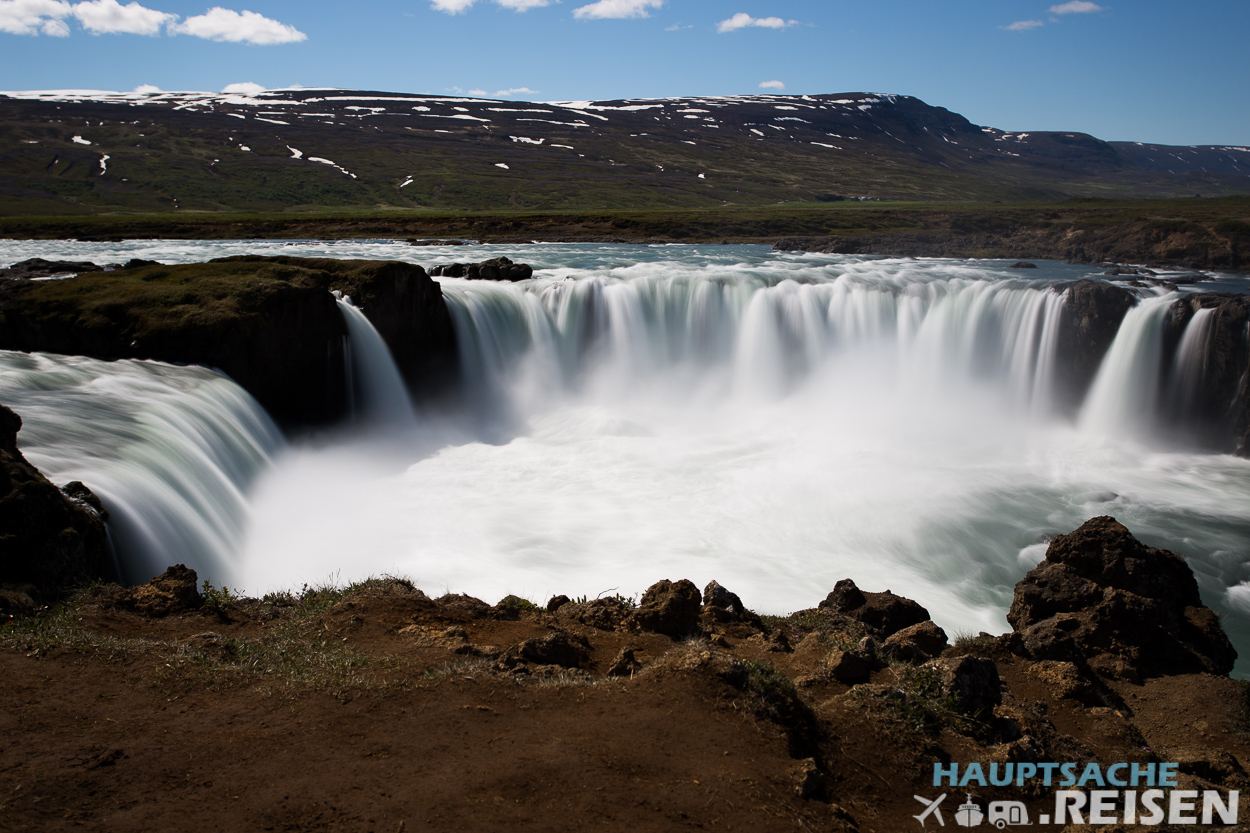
x=379, y=395
x=171, y=451
x=1124, y=397
x=1189, y=367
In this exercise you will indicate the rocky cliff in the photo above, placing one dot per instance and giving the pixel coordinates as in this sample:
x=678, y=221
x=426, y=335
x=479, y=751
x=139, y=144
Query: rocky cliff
x=271, y=324
x=51, y=539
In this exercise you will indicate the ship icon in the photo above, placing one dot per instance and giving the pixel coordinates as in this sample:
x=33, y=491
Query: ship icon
x=969, y=814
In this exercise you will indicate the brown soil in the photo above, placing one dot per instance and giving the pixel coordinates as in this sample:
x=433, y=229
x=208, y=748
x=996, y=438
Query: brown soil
x=367, y=714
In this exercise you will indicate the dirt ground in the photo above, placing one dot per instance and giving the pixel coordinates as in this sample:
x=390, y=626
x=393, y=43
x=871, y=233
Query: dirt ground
x=366, y=713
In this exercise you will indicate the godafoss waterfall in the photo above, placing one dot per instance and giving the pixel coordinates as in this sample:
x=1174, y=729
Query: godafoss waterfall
x=776, y=421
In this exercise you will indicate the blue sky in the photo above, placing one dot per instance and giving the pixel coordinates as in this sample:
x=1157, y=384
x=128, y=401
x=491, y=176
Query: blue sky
x=1148, y=70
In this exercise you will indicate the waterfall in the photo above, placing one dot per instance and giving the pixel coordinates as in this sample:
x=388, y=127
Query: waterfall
x=752, y=335
x=171, y=451
x=378, y=393
x=1190, y=364
x=1123, y=399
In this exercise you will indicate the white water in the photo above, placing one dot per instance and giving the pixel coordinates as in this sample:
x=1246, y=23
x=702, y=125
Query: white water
x=171, y=451
x=378, y=395
x=774, y=421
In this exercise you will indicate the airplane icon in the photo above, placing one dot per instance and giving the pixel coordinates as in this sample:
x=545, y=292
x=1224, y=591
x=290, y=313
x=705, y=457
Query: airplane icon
x=930, y=807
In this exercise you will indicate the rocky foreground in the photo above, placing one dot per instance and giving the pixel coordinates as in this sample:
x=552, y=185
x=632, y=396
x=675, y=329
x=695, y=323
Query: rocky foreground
x=376, y=707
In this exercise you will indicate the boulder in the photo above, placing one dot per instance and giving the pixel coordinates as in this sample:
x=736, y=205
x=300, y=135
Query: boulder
x=601, y=614
x=556, y=602
x=884, y=613
x=556, y=648
x=50, y=540
x=458, y=604
x=173, y=591
x=670, y=608
x=972, y=681
x=916, y=643
x=495, y=269
x=714, y=595
x=1103, y=598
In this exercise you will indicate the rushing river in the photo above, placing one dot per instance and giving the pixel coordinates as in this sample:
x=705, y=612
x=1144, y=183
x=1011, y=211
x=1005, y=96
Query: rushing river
x=776, y=421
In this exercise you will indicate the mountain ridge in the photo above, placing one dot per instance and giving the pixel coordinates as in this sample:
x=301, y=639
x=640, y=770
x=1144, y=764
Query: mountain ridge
x=80, y=151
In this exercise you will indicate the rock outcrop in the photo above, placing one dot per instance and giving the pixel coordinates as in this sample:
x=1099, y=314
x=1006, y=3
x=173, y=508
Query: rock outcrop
x=495, y=269
x=50, y=540
x=37, y=267
x=271, y=324
x=884, y=613
x=670, y=608
x=1215, y=408
x=1092, y=314
x=1104, y=599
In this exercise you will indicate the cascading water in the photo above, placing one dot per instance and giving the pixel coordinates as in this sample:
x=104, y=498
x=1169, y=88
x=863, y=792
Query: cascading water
x=774, y=421
x=171, y=451
x=376, y=389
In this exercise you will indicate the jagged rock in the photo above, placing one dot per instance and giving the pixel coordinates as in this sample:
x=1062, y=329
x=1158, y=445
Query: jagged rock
x=885, y=612
x=624, y=664
x=1022, y=264
x=849, y=667
x=1091, y=318
x=1101, y=592
x=714, y=595
x=37, y=267
x=601, y=614
x=556, y=602
x=49, y=542
x=670, y=608
x=495, y=269
x=556, y=648
x=973, y=680
x=916, y=643
x=173, y=591
x=1214, y=409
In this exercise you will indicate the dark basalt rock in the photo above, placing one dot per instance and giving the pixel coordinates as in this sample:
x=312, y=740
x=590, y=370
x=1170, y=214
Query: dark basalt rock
x=714, y=595
x=495, y=269
x=49, y=541
x=972, y=681
x=173, y=591
x=603, y=614
x=1214, y=410
x=37, y=267
x=885, y=612
x=1091, y=318
x=556, y=648
x=670, y=608
x=916, y=643
x=271, y=324
x=1105, y=599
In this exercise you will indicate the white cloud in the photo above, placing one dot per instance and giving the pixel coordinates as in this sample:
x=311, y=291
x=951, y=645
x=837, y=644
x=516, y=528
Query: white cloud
x=742, y=20
x=523, y=5
x=451, y=6
x=616, y=9
x=1023, y=25
x=108, y=17
x=148, y=88
x=511, y=91
x=1076, y=7
x=30, y=17
x=238, y=27
x=772, y=85
x=243, y=88
x=475, y=93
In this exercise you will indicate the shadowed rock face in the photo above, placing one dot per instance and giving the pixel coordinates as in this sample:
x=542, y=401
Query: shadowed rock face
x=885, y=613
x=1104, y=598
x=1092, y=315
x=1220, y=415
x=271, y=324
x=49, y=541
